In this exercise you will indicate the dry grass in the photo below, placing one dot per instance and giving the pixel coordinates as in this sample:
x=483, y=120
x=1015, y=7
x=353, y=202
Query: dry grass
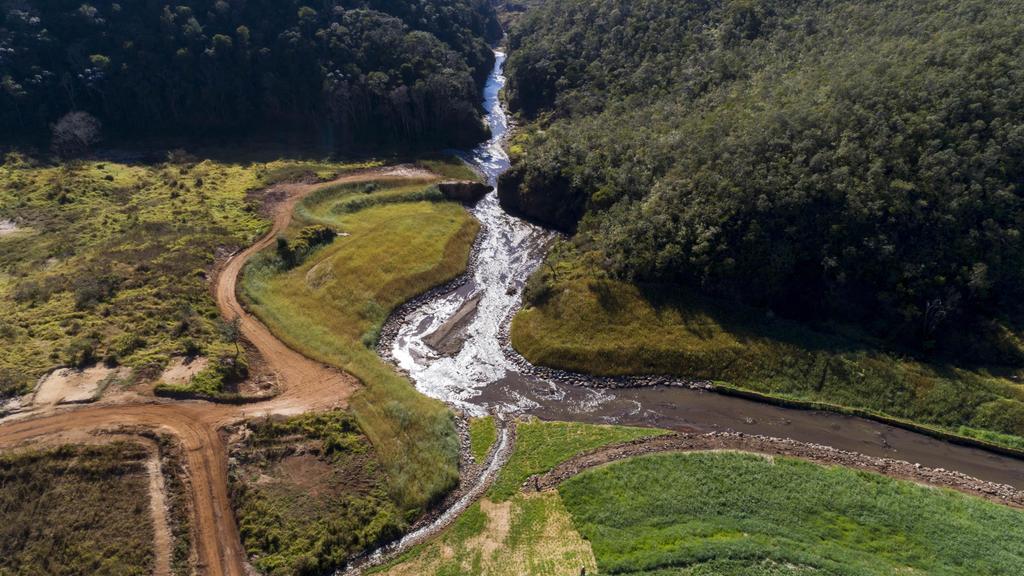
x=76, y=510
x=525, y=535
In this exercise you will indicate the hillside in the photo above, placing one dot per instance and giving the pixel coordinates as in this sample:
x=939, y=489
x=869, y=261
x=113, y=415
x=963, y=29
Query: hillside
x=836, y=161
x=371, y=72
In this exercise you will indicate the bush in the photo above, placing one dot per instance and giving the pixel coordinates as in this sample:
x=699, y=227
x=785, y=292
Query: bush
x=81, y=352
x=1003, y=415
x=75, y=133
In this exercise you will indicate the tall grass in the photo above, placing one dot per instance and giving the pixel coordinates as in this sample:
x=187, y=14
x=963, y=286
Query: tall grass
x=76, y=510
x=332, y=306
x=674, y=511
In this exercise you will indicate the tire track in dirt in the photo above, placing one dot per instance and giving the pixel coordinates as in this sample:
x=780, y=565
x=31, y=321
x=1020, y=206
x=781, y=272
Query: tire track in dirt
x=304, y=385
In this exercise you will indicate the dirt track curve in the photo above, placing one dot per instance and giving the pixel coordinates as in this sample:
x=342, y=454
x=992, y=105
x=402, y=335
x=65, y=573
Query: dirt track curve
x=304, y=385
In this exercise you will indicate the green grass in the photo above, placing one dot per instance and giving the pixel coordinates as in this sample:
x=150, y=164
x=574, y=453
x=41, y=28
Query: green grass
x=507, y=532
x=525, y=535
x=309, y=494
x=450, y=168
x=309, y=171
x=112, y=260
x=482, y=434
x=681, y=511
x=331, y=308
x=579, y=320
x=540, y=446
x=76, y=510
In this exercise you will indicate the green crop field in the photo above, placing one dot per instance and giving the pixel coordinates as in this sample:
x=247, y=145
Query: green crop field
x=331, y=306
x=726, y=513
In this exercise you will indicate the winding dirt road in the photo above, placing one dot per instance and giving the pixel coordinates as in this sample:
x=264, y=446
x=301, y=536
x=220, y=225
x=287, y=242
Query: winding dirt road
x=304, y=385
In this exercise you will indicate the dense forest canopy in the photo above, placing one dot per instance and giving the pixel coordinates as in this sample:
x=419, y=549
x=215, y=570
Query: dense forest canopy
x=366, y=71
x=833, y=159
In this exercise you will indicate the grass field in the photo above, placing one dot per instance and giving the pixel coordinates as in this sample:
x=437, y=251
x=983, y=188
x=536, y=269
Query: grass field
x=509, y=533
x=109, y=261
x=332, y=305
x=308, y=493
x=76, y=510
x=580, y=321
x=542, y=445
x=449, y=168
x=737, y=514
x=482, y=434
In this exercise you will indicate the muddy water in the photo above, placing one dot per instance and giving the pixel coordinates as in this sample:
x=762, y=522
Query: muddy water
x=482, y=376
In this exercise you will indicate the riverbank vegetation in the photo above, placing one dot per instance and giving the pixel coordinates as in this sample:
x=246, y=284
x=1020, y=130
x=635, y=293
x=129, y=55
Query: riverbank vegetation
x=309, y=494
x=509, y=533
x=540, y=446
x=728, y=514
x=722, y=513
x=578, y=318
x=109, y=261
x=352, y=75
x=818, y=201
x=76, y=510
x=393, y=246
x=482, y=435
x=840, y=161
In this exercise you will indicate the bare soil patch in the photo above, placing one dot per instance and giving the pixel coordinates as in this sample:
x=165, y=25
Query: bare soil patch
x=7, y=227
x=71, y=386
x=180, y=370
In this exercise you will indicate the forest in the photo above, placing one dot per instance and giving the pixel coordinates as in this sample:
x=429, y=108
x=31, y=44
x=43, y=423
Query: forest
x=372, y=72
x=832, y=161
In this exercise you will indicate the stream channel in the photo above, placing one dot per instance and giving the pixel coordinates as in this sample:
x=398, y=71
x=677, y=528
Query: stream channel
x=469, y=365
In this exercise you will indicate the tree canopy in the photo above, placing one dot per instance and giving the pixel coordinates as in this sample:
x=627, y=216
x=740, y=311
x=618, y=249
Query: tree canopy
x=366, y=71
x=838, y=159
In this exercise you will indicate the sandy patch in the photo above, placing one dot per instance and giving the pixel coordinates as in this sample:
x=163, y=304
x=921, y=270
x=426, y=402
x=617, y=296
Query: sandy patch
x=305, y=472
x=68, y=385
x=547, y=545
x=158, y=508
x=7, y=227
x=181, y=370
x=492, y=539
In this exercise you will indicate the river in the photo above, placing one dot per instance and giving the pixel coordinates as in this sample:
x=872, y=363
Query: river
x=485, y=376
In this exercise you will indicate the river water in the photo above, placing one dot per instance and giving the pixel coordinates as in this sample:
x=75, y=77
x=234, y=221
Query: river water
x=483, y=376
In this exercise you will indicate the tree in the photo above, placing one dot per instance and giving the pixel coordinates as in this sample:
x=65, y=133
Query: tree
x=231, y=331
x=75, y=133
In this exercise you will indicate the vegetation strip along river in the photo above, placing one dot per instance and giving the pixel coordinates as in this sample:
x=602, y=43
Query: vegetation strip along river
x=486, y=375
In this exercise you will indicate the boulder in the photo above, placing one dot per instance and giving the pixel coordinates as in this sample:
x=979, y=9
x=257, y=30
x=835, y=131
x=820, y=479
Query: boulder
x=465, y=191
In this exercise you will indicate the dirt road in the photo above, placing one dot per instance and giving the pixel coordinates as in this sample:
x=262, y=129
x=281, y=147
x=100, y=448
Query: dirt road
x=304, y=385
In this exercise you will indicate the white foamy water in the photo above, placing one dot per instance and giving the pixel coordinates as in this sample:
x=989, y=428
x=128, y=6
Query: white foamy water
x=509, y=250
